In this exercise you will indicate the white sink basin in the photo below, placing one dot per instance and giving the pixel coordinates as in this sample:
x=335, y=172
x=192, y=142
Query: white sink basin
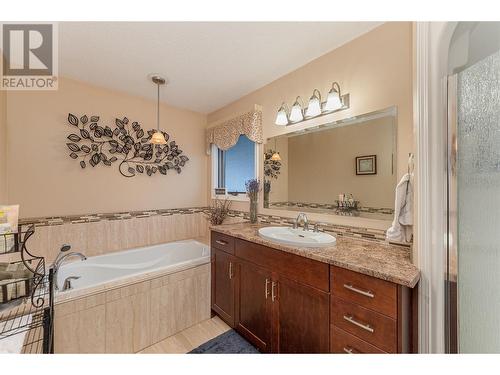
x=297, y=237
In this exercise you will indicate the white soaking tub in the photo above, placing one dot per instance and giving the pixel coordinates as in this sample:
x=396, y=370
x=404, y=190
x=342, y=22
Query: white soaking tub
x=133, y=263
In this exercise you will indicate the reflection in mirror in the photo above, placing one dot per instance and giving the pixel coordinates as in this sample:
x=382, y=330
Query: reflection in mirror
x=344, y=168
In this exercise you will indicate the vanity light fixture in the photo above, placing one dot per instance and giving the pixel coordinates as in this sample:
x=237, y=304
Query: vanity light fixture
x=314, y=107
x=335, y=101
x=297, y=112
x=334, y=98
x=158, y=138
x=282, y=115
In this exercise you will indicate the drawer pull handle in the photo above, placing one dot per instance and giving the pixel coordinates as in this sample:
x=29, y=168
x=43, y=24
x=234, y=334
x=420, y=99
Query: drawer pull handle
x=366, y=293
x=349, y=350
x=221, y=242
x=351, y=320
x=267, y=288
x=273, y=293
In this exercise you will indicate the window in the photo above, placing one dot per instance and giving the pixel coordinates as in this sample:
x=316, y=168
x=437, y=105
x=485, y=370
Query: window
x=233, y=167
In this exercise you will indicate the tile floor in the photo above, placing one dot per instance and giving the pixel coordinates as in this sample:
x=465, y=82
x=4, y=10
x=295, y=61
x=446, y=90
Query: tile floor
x=190, y=338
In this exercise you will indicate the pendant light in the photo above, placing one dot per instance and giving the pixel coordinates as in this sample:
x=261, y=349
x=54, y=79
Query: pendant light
x=314, y=107
x=333, y=101
x=297, y=112
x=282, y=115
x=276, y=155
x=158, y=138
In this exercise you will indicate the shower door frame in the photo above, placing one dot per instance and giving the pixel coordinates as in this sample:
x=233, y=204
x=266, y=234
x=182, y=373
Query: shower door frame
x=451, y=271
x=431, y=45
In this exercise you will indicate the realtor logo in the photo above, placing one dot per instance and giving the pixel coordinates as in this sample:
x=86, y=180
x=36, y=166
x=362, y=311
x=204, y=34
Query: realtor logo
x=29, y=57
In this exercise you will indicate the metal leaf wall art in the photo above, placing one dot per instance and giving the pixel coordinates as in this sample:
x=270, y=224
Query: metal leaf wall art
x=126, y=144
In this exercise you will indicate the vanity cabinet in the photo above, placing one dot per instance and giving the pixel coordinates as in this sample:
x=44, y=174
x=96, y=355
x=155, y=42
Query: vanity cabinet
x=368, y=315
x=255, y=310
x=285, y=303
x=303, y=315
x=280, y=300
x=223, y=285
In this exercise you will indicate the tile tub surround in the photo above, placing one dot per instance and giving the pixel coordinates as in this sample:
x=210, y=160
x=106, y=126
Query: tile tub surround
x=381, y=260
x=99, y=234
x=128, y=319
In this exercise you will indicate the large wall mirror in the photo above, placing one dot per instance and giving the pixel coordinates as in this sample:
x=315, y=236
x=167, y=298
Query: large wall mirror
x=347, y=167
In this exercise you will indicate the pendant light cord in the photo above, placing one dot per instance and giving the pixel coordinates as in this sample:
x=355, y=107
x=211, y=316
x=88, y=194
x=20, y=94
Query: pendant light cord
x=158, y=109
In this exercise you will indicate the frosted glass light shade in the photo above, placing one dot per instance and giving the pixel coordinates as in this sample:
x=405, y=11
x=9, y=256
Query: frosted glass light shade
x=314, y=107
x=296, y=114
x=158, y=139
x=276, y=157
x=333, y=101
x=281, y=117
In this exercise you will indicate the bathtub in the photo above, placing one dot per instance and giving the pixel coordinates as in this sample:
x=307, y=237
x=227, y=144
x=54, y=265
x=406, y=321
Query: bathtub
x=126, y=301
x=127, y=264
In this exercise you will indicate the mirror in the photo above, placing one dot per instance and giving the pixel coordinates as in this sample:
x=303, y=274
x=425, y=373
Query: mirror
x=347, y=167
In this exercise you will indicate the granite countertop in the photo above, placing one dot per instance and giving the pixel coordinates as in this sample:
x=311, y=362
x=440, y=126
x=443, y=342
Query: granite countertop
x=378, y=259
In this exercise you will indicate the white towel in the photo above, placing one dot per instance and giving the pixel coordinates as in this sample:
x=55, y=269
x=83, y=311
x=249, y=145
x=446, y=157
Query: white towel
x=15, y=341
x=402, y=225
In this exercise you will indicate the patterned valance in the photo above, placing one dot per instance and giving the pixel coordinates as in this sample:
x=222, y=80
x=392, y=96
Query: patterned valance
x=226, y=134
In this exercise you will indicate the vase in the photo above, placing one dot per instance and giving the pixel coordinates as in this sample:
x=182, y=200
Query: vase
x=253, y=210
x=266, y=199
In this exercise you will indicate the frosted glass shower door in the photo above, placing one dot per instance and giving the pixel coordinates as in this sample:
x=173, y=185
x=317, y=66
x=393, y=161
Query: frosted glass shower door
x=477, y=192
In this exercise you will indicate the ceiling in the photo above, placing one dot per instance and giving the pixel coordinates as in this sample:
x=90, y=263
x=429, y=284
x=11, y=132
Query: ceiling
x=208, y=64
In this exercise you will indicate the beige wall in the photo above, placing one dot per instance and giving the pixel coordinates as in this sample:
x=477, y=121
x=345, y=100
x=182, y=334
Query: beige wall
x=3, y=147
x=321, y=165
x=45, y=181
x=376, y=69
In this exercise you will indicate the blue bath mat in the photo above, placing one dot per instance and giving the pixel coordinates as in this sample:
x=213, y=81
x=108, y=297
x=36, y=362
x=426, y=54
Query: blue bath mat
x=227, y=343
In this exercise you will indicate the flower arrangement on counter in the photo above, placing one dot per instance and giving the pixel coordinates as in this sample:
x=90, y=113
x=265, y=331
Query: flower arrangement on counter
x=253, y=189
x=218, y=211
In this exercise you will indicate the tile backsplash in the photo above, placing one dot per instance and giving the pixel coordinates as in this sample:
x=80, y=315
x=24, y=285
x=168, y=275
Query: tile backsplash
x=97, y=234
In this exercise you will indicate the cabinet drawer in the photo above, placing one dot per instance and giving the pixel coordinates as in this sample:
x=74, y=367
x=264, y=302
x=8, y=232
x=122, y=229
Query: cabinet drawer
x=304, y=270
x=343, y=342
x=222, y=242
x=375, y=294
x=372, y=327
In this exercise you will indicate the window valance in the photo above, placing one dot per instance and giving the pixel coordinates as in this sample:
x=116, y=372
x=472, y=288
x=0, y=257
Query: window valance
x=226, y=134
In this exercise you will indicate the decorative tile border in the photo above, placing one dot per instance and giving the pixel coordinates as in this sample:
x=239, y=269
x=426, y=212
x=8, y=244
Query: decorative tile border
x=339, y=230
x=92, y=218
x=327, y=206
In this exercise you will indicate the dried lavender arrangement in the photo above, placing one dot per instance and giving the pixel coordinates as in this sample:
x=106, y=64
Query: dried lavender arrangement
x=218, y=211
x=253, y=188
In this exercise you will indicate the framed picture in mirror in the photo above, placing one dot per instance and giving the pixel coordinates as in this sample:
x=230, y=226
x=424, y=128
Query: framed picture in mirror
x=366, y=165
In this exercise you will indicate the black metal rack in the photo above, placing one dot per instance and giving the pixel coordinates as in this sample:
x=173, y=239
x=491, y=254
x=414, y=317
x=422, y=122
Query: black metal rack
x=28, y=307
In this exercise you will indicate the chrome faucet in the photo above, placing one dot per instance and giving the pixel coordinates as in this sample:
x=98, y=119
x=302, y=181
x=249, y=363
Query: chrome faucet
x=61, y=257
x=67, y=282
x=301, y=217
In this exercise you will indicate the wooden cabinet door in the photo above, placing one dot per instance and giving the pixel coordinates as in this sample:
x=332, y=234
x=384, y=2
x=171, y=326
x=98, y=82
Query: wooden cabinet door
x=254, y=316
x=303, y=318
x=223, y=285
